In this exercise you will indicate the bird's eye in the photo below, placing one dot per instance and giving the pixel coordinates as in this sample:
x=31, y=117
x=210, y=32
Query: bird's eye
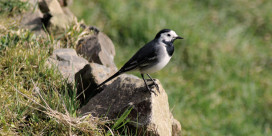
x=168, y=35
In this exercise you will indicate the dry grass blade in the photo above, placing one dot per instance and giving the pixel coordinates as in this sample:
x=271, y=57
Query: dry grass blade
x=85, y=123
x=110, y=130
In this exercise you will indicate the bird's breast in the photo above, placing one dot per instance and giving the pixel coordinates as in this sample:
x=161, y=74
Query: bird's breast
x=163, y=59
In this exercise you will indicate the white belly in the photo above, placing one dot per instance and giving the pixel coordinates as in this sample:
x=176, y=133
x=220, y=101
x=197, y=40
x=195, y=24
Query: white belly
x=162, y=63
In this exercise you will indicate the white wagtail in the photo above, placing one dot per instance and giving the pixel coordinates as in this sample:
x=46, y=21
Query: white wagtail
x=152, y=57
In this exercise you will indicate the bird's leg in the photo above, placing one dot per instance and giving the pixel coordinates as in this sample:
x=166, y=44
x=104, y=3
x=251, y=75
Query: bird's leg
x=150, y=90
x=154, y=83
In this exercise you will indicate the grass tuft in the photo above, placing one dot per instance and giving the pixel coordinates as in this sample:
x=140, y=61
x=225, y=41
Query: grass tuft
x=35, y=99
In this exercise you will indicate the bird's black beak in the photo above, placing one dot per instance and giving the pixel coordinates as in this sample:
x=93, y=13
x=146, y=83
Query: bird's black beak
x=178, y=37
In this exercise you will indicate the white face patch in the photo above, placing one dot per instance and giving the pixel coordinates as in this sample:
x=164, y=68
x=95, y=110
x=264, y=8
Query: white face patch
x=168, y=36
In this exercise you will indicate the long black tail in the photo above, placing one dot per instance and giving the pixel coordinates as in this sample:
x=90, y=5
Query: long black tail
x=110, y=78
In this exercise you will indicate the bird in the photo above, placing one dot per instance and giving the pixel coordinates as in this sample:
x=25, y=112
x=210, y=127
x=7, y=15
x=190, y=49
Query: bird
x=151, y=58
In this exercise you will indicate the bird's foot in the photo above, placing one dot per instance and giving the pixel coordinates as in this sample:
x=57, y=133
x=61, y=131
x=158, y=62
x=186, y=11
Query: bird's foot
x=151, y=90
x=151, y=86
x=154, y=84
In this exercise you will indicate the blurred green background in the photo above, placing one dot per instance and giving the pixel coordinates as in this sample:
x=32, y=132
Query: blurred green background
x=219, y=80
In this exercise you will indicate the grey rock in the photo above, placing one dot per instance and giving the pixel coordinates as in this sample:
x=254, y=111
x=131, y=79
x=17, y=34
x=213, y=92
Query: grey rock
x=65, y=3
x=52, y=6
x=151, y=112
x=88, y=78
x=67, y=61
x=68, y=13
x=97, y=48
x=60, y=17
x=32, y=20
x=48, y=14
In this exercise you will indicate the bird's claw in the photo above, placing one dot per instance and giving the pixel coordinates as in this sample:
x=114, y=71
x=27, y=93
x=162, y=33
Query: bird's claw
x=156, y=85
x=151, y=91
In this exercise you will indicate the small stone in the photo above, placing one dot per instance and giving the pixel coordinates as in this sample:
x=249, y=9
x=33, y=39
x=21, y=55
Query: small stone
x=97, y=48
x=67, y=61
x=60, y=17
x=89, y=78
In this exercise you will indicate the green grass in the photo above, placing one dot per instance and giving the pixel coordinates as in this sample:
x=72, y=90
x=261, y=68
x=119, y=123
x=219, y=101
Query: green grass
x=219, y=80
x=36, y=99
x=12, y=6
x=22, y=69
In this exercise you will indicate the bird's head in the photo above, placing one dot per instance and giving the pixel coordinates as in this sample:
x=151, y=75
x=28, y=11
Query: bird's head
x=167, y=35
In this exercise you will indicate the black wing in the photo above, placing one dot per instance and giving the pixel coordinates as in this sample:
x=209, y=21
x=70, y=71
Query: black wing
x=144, y=56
